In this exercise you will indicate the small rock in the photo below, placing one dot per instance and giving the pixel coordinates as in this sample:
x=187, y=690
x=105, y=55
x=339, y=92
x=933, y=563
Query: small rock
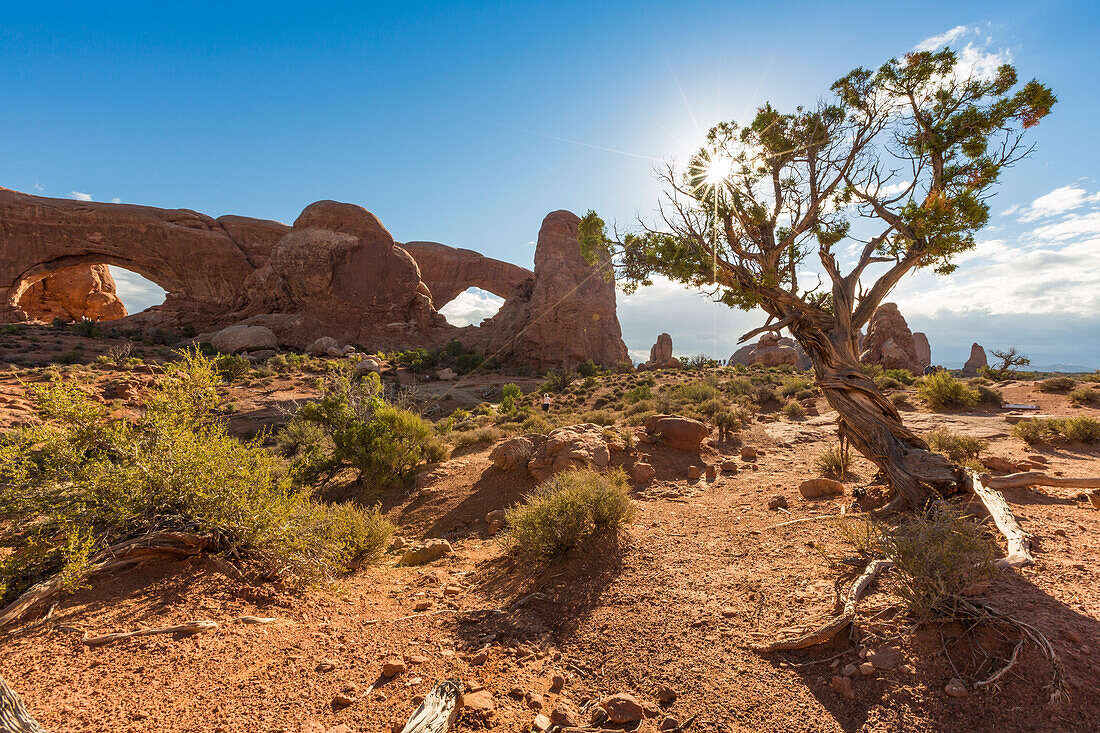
x=643, y=472
x=817, y=487
x=623, y=707
x=321, y=346
x=416, y=659
x=563, y=714
x=399, y=543
x=598, y=716
x=447, y=375
x=452, y=590
x=777, y=502
x=850, y=670
x=541, y=723
x=342, y=701
x=712, y=472
x=694, y=472
x=481, y=704
x=517, y=692
x=325, y=665
x=342, y=728
x=956, y=688
x=666, y=694
x=996, y=463
x=480, y=658
x=535, y=701
x=866, y=668
x=729, y=466
x=843, y=687
x=748, y=453
x=1094, y=498
x=1060, y=533
x=393, y=666
x=422, y=605
x=669, y=723
x=557, y=682
x=495, y=526
x=425, y=552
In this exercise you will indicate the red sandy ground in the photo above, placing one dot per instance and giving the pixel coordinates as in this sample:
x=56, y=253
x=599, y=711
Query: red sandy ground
x=701, y=575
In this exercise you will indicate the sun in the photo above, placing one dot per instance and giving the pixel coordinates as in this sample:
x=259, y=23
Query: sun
x=717, y=169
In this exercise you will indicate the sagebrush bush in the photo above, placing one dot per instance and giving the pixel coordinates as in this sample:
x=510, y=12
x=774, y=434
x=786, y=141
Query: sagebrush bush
x=638, y=394
x=1084, y=396
x=477, y=436
x=1040, y=430
x=566, y=510
x=942, y=391
x=509, y=393
x=1056, y=384
x=794, y=410
x=1084, y=429
x=231, y=367
x=939, y=554
x=956, y=447
x=81, y=479
x=897, y=399
x=363, y=432
x=990, y=395
x=833, y=462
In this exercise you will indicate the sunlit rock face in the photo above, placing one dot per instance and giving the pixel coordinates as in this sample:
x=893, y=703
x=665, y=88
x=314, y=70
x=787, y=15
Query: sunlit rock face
x=889, y=342
x=85, y=292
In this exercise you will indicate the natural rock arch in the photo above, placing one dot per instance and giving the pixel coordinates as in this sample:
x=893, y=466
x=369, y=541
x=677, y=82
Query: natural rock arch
x=199, y=261
x=449, y=271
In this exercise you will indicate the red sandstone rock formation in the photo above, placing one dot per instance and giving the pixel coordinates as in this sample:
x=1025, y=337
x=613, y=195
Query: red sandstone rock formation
x=976, y=361
x=660, y=355
x=562, y=316
x=771, y=350
x=75, y=293
x=449, y=271
x=200, y=262
x=924, y=349
x=889, y=342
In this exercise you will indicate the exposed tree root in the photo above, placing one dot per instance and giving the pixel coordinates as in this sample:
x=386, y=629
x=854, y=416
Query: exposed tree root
x=1038, y=478
x=438, y=711
x=116, y=557
x=840, y=622
x=14, y=718
x=1019, y=541
x=189, y=628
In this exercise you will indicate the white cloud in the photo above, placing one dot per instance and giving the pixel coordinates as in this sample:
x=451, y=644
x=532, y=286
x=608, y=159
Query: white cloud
x=136, y=292
x=80, y=196
x=934, y=42
x=116, y=200
x=38, y=186
x=470, y=308
x=1060, y=200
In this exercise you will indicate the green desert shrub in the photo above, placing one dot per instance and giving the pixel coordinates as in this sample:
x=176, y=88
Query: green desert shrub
x=639, y=394
x=231, y=367
x=599, y=417
x=81, y=479
x=942, y=391
x=567, y=510
x=1084, y=429
x=833, y=462
x=989, y=395
x=793, y=385
x=1084, y=396
x=1040, y=430
x=938, y=553
x=588, y=368
x=361, y=431
x=1056, y=384
x=477, y=436
x=956, y=447
x=509, y=393
x=897, y=399
x=794, y=410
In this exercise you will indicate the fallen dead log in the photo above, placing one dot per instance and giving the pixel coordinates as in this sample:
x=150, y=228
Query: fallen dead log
x=840, y=622
x=438, y=711
x=189, y=628
x=1038, y=478
x=116, y=557
x=1019, y=541
x=14, y=717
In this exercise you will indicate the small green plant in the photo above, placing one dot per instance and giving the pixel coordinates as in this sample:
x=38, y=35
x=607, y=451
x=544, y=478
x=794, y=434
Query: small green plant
x=476, y=436
x=794, y=410
x=1040, y=430
x=834, y=462
x=588, y=368
x=509, y=393
x=567, y=510
x=989, y=395
x=1056, y=384
x=1084, y=396
x=231, y=367
x=536, y=424
x=898, y=399
x=942, y=391
x=956, y=447
x=558, y=381
x=727, y=423
x=86, y=329
x=1084, y=429
x=638, y=394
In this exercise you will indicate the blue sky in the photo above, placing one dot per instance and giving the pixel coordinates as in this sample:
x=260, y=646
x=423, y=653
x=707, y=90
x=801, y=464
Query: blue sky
x=467, y=123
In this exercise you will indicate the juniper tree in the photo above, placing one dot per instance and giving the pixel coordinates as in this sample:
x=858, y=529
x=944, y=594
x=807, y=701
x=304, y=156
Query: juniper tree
x=891, y=173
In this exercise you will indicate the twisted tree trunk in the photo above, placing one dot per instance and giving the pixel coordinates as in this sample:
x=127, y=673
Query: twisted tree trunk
x=872, y=424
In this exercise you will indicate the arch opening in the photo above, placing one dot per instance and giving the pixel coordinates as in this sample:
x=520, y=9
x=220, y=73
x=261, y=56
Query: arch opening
x=471, y=307
x=96, y=291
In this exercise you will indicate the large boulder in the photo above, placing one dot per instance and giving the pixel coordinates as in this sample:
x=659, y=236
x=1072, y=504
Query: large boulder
x=677, y=432
x=513, y=453
x=564, y=314
x=75, y=293
x=771, y=350
x=889, y=342
x=924, y=349
x=660, y=356
x=321, y=346
x=976, y=361
x=574, y=446
x=236, y=339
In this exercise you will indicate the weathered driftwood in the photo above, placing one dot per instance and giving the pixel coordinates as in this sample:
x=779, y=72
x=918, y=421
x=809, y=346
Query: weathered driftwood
x=14, y=718
x=438, y=711
x=189, y=628
x=1019, y=541
x=1038, y=478
x=115, y=557
x=840, y=622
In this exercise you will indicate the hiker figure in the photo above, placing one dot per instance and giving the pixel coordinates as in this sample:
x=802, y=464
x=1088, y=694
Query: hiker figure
x=546, y=403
